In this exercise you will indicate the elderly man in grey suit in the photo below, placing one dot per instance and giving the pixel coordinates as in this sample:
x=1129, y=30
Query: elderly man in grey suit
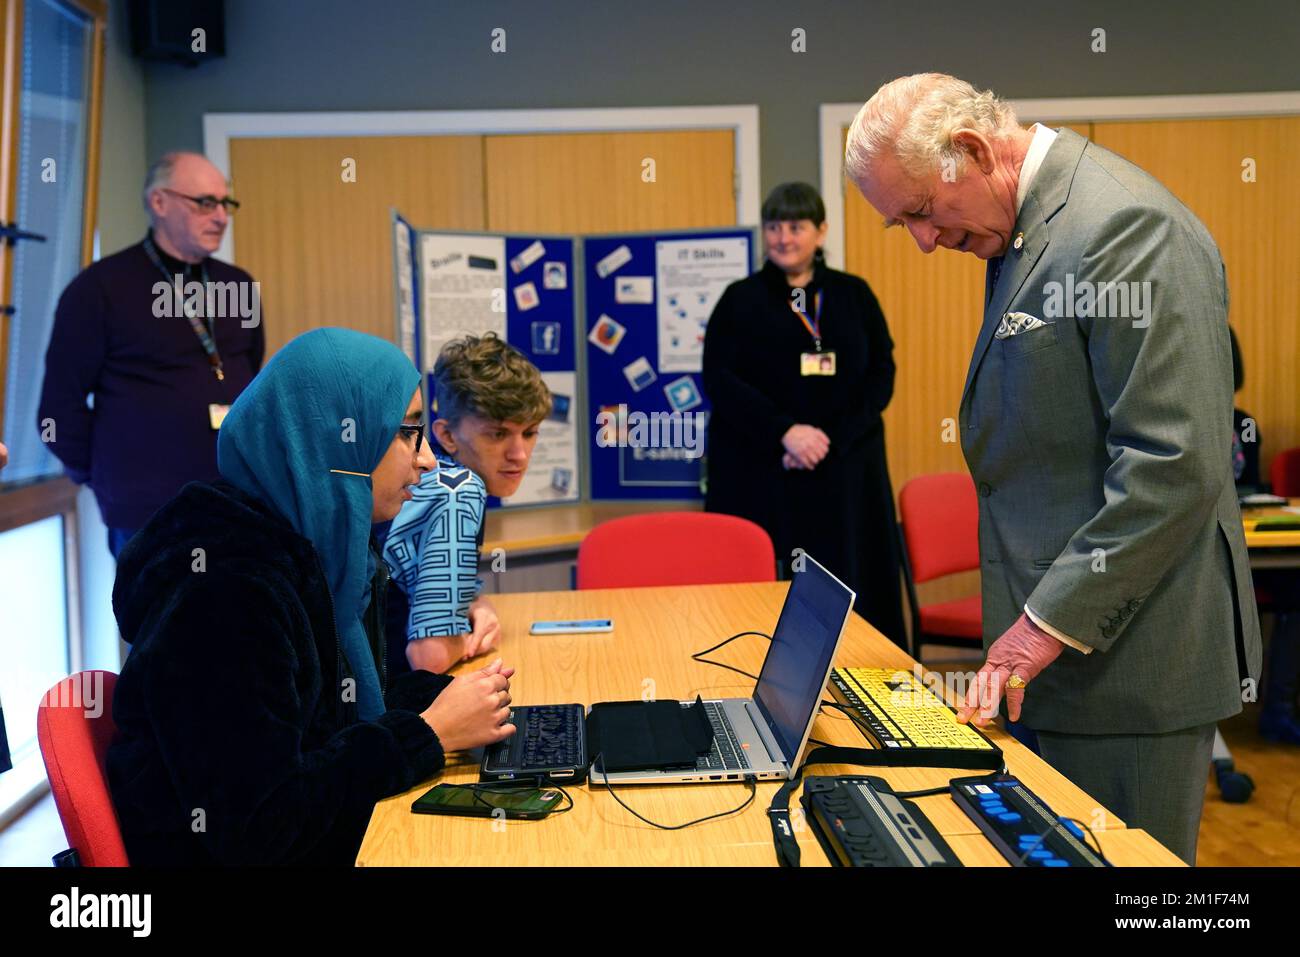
x=1096, y=422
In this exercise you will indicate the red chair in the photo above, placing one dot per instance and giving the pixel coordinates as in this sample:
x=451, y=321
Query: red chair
x=74, y=726
x=939, y=529
x=675, y=548
x=1284, y=473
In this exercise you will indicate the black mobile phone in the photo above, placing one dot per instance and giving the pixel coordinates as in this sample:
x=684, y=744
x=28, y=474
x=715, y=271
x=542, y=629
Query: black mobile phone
x=487, y=800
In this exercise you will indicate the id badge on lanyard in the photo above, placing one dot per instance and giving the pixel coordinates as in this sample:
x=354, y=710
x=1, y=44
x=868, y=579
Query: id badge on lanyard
x=819, y=361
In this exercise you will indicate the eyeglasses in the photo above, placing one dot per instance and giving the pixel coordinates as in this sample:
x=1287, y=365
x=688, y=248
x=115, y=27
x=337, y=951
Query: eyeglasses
x=207, y=203
x=413, y=430
x=405, y=430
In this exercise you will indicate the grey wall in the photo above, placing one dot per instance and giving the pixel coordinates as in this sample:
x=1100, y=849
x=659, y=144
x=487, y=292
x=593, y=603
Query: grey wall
x=291, y=55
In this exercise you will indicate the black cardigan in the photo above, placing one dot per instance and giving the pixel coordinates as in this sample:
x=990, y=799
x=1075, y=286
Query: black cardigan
x=751, y=375
x=150, y=379
x=235, y=742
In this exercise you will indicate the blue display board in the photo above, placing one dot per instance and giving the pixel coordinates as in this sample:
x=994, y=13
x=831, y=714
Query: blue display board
x=547, y=335
x=523, y=287
x=647, y=301
x=544, y=333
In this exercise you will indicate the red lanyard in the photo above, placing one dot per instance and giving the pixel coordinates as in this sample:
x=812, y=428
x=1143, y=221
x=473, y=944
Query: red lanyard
x=814, y=324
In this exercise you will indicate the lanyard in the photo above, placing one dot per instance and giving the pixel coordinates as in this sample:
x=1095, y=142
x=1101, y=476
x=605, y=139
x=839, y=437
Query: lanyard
x=203, y=329
x=814, y=324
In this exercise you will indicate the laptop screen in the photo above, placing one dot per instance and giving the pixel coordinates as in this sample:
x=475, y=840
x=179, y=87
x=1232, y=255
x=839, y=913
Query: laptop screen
x=799, y=660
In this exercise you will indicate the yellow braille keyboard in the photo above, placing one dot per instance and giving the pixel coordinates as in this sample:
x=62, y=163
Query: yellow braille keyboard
x=899, y=713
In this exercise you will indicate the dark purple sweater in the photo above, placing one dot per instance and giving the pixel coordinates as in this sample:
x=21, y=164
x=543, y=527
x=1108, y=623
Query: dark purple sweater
x=149, y=432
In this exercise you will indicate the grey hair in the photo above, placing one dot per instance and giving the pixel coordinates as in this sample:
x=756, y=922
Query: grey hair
x=160, y=174
x=913, y=119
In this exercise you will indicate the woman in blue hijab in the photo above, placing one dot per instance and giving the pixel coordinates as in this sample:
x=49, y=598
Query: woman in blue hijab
x=256, y=720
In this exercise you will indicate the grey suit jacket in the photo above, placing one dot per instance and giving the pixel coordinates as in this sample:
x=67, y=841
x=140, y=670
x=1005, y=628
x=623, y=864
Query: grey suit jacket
x=1100, y=445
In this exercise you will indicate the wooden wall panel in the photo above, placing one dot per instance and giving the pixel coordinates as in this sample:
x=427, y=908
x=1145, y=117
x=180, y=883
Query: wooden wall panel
x=1254, y=224
x=321, y=247
x=592, y=182
x=933, y=305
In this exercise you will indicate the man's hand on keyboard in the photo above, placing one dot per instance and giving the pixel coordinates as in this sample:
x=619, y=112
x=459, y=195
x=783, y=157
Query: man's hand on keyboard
x=1023, y=650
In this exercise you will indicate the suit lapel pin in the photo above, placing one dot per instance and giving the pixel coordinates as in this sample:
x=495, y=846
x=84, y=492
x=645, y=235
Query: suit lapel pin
x=1019, y=244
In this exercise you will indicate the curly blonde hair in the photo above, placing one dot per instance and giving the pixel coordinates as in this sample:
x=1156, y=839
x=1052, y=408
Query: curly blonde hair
x=488, y=377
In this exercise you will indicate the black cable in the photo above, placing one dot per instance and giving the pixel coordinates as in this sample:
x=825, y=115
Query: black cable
x=852, y=715
x=947, y=788
x=1096, y=850
x=928, y=792
x=750, y=781
x=1038, y=842
x=699, y=655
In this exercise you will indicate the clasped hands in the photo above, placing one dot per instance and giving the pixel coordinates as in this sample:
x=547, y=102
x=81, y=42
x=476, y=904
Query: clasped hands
x=805, y=447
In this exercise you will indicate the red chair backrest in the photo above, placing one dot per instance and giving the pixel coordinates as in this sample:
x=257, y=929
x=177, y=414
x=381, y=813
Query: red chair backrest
x=940, y=518
x=675, y=548
x=74, y=725
x=1284, y=473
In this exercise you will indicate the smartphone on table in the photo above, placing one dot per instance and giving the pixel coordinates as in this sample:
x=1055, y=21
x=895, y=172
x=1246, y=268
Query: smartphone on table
x=583, y=626
x=527, y=804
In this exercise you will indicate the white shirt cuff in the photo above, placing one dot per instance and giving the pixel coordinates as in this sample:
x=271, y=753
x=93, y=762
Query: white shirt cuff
x=1064, y=639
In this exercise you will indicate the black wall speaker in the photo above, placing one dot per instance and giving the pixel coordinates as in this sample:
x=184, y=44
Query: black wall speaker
x=178, y=31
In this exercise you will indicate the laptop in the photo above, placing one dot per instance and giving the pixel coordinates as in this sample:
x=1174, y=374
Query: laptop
x=763, y=736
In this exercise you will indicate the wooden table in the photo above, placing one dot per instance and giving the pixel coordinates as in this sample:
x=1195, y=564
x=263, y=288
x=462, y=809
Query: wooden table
x=656, y=630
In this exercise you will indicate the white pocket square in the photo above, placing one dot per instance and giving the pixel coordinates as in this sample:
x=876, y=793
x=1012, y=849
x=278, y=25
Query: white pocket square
x=1014, y=323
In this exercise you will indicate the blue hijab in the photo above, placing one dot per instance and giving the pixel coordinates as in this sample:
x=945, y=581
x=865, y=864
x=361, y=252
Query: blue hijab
x=330, y=399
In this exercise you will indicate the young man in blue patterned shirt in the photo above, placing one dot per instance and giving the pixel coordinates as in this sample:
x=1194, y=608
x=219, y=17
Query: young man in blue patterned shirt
x=490, y=401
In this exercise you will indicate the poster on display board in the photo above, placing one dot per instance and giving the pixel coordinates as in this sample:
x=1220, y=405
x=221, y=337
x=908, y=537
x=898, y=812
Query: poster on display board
x=522, y=288
x=648, y=298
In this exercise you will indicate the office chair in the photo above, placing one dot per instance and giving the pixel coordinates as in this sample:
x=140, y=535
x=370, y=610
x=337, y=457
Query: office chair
x=675, y=548
x=939, y=536
x=74, y=726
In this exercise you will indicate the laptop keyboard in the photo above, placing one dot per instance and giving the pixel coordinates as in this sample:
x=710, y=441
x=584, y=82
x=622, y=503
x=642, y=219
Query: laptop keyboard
x=727, y=754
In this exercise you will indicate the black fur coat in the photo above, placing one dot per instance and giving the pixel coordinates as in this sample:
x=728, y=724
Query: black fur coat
x=238, y=738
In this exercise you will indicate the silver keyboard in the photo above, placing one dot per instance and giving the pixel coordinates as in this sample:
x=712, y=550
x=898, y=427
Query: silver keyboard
x=727, y=754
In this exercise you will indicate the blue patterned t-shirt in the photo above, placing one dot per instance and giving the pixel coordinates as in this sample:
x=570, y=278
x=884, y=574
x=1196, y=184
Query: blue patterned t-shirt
x=432, y=550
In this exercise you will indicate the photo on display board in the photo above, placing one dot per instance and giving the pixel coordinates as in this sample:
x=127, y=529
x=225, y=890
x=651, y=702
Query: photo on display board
x=606, y=334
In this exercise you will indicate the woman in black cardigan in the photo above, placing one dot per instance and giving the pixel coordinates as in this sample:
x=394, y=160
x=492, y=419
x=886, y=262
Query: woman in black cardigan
x=256, y=722
x=798, y=366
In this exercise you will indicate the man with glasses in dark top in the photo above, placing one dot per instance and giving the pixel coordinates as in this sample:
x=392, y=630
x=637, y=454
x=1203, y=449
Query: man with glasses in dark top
x=150, y=346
